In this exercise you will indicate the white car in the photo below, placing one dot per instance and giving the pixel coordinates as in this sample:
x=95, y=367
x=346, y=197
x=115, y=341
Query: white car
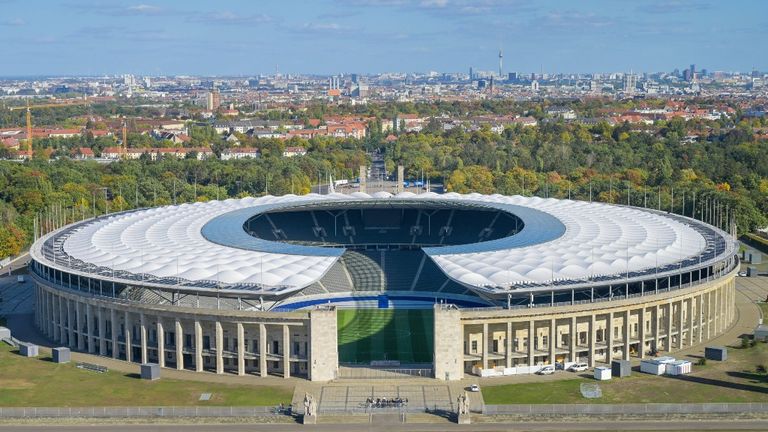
x=742, y=274
x=474, y=388
x=578, y=367
x=546, y=370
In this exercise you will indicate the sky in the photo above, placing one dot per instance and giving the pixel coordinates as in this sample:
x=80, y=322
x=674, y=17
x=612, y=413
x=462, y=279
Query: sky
x=251, y=37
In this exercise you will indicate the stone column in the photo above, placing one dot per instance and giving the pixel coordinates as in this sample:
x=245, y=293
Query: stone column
x=56, y=333
x=680, y=321
x=143, y=338
x=508, y=345
x=286, y=351
x=89, y=328
x=627, y=333
x=160, y=342
x=656, y=327
x=716, y=311
x=641, y=333
x=700, y=313
x=485, y=346
x=79, y=326
x=609, y=338
x=552, y=340
x=127, y=326
x=114, y=333
x=102, y=332
x=531, y=337
x=63, y=320
x=263, y=350
x=573, y=339
x=670, y=313
x=592, y=338
x=179, y=330
x=689, y=320
x=198, y=346
x=219, y=348
x=240, y=349
x=709, y=315
x=71, y=324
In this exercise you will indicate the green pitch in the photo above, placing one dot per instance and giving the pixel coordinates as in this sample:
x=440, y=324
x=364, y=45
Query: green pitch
x=385, y=334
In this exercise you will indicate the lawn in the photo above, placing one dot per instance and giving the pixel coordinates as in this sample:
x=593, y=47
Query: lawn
x=385, y=334
x=735, y=380
x=39, y=382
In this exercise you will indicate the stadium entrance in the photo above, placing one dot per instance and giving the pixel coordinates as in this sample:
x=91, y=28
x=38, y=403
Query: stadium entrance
x=383, y=343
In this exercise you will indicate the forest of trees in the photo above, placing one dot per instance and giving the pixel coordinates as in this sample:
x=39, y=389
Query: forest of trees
x=728, y=163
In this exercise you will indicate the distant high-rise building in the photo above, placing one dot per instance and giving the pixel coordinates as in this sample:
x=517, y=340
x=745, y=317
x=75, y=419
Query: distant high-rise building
x=512, y=77
x=687, y=75
x=630, y=83
x=355, y=78
x=535, y=85
x=691, y=73
x=213, y=101
x=471, y=73
x=334, y=83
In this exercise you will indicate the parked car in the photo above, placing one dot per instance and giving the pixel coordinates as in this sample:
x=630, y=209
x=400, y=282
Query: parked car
x=578, y=367
x=546, y=370
x=474, y=388
x=742, y=274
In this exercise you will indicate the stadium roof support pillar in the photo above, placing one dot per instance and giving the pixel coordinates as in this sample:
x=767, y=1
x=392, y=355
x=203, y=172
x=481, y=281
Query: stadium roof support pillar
x=573, y=338
x=400, y=179
x=363, y=177
x=531, y=338
x=641, y=332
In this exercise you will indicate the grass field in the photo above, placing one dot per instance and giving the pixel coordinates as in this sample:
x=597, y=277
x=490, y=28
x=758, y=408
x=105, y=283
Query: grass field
x=385, y=334
x=39, y=382
x=736, y=380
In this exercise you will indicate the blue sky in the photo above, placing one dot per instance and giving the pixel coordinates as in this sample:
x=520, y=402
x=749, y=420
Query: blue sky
x=157, y=37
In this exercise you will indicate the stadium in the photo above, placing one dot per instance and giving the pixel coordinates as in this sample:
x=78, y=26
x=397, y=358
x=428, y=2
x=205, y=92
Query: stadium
x=341, y=286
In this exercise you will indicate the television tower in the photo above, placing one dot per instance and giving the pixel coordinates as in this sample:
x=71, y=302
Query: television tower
x=501, y=60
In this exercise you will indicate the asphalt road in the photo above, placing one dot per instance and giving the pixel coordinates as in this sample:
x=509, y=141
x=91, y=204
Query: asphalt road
x=694, y=425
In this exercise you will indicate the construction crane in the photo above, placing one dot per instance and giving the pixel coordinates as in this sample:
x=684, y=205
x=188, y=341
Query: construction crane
x=29, y=108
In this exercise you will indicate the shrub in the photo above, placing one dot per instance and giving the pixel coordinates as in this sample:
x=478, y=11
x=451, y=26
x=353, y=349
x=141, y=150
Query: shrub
x=702, y=361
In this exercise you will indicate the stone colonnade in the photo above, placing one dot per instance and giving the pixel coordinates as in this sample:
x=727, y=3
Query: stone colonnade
x=238, y=342
x=521, y=340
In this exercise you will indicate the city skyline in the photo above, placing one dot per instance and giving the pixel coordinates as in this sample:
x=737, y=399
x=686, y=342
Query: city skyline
x=373, y=36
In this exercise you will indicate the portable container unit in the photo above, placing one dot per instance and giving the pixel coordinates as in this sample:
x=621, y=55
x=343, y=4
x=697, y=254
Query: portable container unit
x=655, y=366
x=679, y=367
x=716, y=353
x=602, y=373
x=28, y=350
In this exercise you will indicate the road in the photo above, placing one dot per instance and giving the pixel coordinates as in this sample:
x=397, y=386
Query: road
x=685, y=425
x=18, y=265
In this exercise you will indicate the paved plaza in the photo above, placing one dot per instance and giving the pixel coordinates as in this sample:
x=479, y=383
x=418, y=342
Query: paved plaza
x=420, y=398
